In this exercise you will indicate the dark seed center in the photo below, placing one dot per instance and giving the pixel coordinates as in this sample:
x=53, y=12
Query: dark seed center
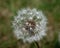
x=30, y=26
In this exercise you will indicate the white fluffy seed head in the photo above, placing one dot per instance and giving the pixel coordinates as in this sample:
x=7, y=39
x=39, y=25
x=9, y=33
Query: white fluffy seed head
x=20, y=25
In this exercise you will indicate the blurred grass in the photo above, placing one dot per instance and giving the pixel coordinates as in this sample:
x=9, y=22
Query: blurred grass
x=8, y=9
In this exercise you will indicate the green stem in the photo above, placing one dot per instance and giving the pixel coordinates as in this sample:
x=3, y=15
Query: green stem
x=37, y=44
x=34, y=45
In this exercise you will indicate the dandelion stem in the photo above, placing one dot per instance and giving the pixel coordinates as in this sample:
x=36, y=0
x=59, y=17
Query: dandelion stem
x=36, y=44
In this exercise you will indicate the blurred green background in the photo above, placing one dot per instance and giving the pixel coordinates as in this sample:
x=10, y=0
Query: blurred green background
x=8, y=9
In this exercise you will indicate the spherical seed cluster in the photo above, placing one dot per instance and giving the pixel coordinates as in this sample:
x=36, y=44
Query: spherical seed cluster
x=29, y=25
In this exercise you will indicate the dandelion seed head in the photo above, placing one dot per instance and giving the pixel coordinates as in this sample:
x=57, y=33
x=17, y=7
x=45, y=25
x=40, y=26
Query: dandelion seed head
x=29, y=25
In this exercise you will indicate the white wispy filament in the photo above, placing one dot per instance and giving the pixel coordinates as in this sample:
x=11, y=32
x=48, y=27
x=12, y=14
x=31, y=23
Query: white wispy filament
x=29, y=25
